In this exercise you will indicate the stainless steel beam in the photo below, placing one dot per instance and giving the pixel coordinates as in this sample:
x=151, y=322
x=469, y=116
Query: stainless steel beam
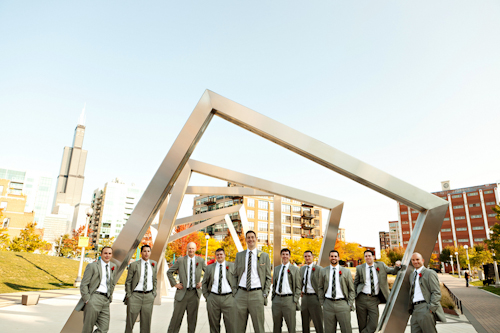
x=196, y=227
x=231, y=191
x=207, y=215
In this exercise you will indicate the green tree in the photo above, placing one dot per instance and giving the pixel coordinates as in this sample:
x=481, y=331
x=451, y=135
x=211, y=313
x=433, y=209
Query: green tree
x=395, y=254
x=28, y=240
x=4, y=239
x=444, y=257
x=479, y=255
x=494, y=241
x=64, y=246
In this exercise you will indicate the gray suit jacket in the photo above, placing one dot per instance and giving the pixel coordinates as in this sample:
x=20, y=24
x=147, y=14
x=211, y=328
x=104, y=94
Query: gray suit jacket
x=91, y=280
x=134, y=275
x=208, y=278
x=314, y=277
x=431, y=289
x=346, y=284
x=263, y=269
x=382, y=270
x=180, y=267
x=293, y=281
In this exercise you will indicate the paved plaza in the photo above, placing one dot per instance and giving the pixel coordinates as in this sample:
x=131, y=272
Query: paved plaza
x=55, y=306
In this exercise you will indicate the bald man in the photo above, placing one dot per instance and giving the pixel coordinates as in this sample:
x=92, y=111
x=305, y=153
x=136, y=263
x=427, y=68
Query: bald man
x=425, y=297
x=187, y=295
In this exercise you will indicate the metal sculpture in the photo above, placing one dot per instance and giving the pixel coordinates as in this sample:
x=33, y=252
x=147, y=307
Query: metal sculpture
x=171, y=171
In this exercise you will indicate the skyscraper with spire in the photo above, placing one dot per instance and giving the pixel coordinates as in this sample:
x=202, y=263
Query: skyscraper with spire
x=71, y=175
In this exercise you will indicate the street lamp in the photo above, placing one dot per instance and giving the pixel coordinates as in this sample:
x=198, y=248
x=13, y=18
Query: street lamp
x=207, y=237
x=452, y=269
x=458, y=265
x=467, y=253
x=89, y=211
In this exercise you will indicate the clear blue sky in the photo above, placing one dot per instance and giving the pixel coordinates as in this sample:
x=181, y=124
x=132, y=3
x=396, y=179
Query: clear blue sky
x=409, y=87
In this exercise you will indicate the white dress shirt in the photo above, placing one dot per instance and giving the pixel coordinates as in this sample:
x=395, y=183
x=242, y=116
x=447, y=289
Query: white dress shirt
x=193, y=262
x=103, y=287
x=308, y=284
x=367, y=288
x=226, y=288
x=339, y=293
x=285, y=286
x=417, y=294
x=150, y=277
x=254, y=274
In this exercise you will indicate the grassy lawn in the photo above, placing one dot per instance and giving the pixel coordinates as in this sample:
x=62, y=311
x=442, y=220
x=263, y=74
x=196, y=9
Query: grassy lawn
x=21, y=271
x=491, y=289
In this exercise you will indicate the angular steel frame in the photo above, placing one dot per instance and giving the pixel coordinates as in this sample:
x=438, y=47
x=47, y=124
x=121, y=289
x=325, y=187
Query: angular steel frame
x=432, y=209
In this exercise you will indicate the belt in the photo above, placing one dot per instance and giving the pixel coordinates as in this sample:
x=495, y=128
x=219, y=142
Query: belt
x=221, y=294
x=143, y=292
x=284, y=295
x=309, y=294
x=336, y=299
x=419, y=302
x=192, y=288
x=251, y=289
x=103, y=294
x=369, y=295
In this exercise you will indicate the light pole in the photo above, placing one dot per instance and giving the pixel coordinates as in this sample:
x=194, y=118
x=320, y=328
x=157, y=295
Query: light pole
x=467, y=253
x=495, y=267
x=452, y=269
x=458, y=265
x=207, y=237
x=89, y=211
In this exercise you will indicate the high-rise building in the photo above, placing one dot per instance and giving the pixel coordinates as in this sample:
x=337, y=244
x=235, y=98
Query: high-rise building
x=35, y=187
x=468, y=218
x=385, y=240
x=394, y=235
x=112, y=207
x=259, y=209
x=341, y=234
x=12, y=203
x=71, y=175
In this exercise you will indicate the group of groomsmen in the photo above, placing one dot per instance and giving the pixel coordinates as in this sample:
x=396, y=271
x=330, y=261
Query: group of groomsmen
x=233, y=291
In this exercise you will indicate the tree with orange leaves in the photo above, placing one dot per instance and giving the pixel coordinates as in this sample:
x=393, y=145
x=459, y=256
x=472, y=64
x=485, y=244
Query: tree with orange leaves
x=178, y=247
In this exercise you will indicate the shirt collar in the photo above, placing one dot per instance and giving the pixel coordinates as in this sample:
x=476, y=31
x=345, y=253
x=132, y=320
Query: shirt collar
x=420, y=269
x=254, y=251
x=223, y=263
x=372, y=265
x=311, y=265
x=337, y=267
x=286, y=266
x=142, y=261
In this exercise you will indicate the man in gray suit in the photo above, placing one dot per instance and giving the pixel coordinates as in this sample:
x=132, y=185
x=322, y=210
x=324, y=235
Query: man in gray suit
x=371, y=290
x=336, y=294
x=286, y=293
x=140, y=289
x=310, y=307
x=425, y=297
x=187, y=296
x=97, y=292
x=253, y=281
x=217, y=289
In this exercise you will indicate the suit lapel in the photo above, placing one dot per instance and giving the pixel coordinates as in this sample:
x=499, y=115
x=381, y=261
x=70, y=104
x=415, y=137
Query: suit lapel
x=99, y=269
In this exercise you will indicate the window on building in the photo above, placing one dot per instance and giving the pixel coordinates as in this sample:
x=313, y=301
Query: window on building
x=285, y=208
x=284, y=239
x=296, y=209
x=250, y=202
x=272, y=205
x=297, y=231
x=478, y=239
x=286, y=229
x=1, y=190
x=251, y=225
x=5, y=223
x=296, y=219
x=463, y=240
x=460, y=218
x=478, y=228
x=285, y=199
x=285, y=218
x=488, y=192
x=271, y=227
x=262, y=237
x=403, y=213
x=446, y=219
x=458, y=206
x=262, y=226
x=471, y=194
x=405, y=242
x=487, y=204
x=271, y=217
x=228, y=203
x=263, y=204
x=251, y=214
x=447, y=240
x=263, y=215
x=3, y=205
x=393, y=224
x=456, y=196
x=474, y=205
x=476, y=216
x=406, y=232
x=461, y=229
x=404, y=222
x=445, y=230
x=492, y=215
x=415, y=212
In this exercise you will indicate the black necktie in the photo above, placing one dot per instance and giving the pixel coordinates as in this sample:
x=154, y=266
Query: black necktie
x=413, y=287
x=219, y=290
x=280, y=283
x=371, y=281
x=305, y=281
x=190, y=273
x=249, y=271
x=107, y=281
x=334, y=286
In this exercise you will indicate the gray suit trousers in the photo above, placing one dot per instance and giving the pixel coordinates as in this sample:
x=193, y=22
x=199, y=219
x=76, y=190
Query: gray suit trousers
x=189, y=303
x=96, y=312
x=249, y=303
x=422, y=320
x=337, y=312
x=218, y=305
x=143, y=304
x=367, y=313
x=283, y=308
x=310, y=309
